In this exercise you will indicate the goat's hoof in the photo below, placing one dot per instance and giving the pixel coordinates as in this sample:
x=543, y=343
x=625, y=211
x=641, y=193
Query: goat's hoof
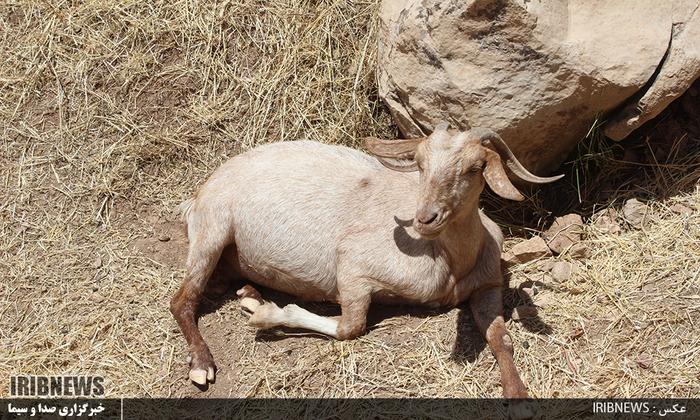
x=202, y=367
x=267, y=316
x=248, y=291
x=200, y=376
x=522, y=409
x=249, y=305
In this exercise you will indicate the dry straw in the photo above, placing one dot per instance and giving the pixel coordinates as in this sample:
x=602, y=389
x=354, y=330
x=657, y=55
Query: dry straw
x=113, y=112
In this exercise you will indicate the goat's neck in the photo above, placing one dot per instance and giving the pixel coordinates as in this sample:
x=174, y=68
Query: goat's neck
x=462, y=241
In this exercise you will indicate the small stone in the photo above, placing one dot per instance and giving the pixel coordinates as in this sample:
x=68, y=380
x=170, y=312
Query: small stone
x=585, y=277
x=518, y=282
x=645, y=361
x=546, y=265
x=526, y=345
x=580, y=251
x=543, y=301
x=612, y=315
x=508, y=260
x=636, y=213
x=522, y=312
x=681, y=209
x=606, y=222
x=547, y=279
x=97, y=263
x=531, y=250
x=97, y=298
x=564, y=232
x=649, y=288
x=561, y=271
x=163, y=237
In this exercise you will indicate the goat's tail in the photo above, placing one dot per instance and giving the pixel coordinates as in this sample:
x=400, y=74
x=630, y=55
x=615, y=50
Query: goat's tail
x=185, y=209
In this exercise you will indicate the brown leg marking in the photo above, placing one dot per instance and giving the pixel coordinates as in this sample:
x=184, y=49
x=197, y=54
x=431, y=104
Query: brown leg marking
x=184, y=306
x=248, y=291
x=249, y=299
x=200, y=265
x=487, y=307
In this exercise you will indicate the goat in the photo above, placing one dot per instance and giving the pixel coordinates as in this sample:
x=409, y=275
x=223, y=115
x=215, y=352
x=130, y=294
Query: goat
x=330, y=223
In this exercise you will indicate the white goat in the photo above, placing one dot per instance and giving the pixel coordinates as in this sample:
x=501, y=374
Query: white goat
x=329, y=223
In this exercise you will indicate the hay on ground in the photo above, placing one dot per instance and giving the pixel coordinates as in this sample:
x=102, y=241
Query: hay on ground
x=112, y=113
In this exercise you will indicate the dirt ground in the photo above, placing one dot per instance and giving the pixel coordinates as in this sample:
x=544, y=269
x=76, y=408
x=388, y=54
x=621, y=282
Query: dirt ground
x=112, y=113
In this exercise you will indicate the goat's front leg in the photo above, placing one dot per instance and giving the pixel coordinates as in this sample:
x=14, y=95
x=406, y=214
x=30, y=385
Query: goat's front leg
x=487, y=307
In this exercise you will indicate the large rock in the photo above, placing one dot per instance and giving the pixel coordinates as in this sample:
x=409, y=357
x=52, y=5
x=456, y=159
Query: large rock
x=536, y=72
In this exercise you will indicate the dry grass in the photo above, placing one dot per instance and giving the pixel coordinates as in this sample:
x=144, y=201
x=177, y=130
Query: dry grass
x=113, y=112
x=638, y=294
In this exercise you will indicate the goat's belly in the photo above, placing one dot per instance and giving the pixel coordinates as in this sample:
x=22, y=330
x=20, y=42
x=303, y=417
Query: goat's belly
x=277, y=280
x=293, y=269
x=422, y=291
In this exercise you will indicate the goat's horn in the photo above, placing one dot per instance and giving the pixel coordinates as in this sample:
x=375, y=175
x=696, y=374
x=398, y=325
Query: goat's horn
x=490, y=138
x=442, y=127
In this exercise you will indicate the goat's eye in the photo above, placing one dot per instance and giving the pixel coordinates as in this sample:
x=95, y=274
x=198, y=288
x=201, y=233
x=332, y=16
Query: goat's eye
x=475, y=168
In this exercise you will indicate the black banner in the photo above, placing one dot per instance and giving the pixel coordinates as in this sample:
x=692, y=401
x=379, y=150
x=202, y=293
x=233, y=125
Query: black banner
x=347, y=409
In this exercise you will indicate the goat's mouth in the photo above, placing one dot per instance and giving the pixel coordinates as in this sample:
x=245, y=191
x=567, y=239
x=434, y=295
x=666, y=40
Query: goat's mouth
x=433, y=227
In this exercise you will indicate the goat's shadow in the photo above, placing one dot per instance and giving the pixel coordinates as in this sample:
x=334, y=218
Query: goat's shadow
x=468, y=345
x=470, y=342
x=408, y=245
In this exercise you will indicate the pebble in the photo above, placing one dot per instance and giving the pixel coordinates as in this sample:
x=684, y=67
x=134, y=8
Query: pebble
x=97, y=298
x=645, y=361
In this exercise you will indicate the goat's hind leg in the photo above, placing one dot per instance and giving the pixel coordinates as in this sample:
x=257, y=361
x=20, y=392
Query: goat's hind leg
x=269, y=315
x=201, y=262
x=352, y=322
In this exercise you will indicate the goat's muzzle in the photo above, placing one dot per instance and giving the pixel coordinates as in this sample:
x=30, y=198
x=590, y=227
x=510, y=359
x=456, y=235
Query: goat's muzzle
x=430, y=223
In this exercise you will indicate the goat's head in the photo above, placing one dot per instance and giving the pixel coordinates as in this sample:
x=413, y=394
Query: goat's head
x=453, y=166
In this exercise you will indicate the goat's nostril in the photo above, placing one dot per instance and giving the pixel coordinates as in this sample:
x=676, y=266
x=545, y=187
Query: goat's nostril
x=428, y=219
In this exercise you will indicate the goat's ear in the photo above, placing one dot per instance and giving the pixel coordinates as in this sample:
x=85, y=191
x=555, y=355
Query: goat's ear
x=399, y=165
x=496, y=177
x=395, y=149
